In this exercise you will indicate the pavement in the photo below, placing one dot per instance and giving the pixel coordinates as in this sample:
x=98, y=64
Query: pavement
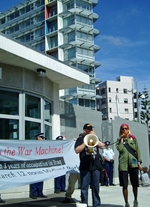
x=110, y=197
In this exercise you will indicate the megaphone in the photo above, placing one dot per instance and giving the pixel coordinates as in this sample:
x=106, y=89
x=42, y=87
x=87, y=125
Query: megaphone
x=91, y=140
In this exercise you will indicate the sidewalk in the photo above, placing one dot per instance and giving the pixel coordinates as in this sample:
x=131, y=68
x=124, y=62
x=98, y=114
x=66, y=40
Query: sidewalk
x=110, y=197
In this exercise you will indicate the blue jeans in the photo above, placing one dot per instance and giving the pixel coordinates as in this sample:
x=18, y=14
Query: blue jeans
x=91, y=178
x=60, y=183
x=36, y=189
x=109, y=169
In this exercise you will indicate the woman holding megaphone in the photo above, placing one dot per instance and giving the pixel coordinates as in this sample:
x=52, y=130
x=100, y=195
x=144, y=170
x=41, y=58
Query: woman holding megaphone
x=90, y=167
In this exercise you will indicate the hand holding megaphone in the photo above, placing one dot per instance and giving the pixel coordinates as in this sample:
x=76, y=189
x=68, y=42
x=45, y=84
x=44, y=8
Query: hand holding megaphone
x=91, y=140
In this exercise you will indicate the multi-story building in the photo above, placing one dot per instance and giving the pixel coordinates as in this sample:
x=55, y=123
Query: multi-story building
x=63, y=29
x=117, y=98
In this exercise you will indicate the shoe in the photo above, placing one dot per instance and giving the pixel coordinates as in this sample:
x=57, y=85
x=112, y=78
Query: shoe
x=2, y=201
x=63, y=191
x=106, y=185
x=33, y=197
x=135, y=204
x=42, y=196
x=56, y=191
x=112, y=184
x=68, y=200
x=127, y=205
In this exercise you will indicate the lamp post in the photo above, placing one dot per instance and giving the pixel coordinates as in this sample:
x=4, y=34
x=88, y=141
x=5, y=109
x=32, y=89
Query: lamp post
x=139, y=96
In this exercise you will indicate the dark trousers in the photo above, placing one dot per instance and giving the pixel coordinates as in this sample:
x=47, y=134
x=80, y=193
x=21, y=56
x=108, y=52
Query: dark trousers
x=60, y=183
x=92, y=179
x=36, y=189
x=109, y=169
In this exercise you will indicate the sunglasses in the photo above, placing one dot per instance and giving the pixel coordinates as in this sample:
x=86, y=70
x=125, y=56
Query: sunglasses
x=124, y=128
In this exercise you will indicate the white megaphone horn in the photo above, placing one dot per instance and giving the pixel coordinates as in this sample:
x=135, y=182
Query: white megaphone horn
x=91, y=140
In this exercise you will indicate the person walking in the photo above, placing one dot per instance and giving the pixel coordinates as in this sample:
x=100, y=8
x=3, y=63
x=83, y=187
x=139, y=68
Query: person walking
x=73, y=178
x=60, y=182
x=129, y=162
x=36, y=189
x=90, y=167
x=109, y=156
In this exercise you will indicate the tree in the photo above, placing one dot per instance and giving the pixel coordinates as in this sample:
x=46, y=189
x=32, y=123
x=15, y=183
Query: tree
x=145, y=109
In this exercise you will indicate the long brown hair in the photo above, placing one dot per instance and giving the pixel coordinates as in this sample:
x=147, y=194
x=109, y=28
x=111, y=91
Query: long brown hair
x=122, y=132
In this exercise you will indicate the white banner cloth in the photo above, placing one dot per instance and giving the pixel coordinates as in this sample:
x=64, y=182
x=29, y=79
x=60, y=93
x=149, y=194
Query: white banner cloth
x=26, y=162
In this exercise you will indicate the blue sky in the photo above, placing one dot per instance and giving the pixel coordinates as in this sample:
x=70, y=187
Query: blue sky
x=124, y=39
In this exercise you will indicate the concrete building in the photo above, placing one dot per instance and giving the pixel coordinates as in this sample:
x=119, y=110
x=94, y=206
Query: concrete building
x=29, y=90
x=62, y=29
x=117, y=98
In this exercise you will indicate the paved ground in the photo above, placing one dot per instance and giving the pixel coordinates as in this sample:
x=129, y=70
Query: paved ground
x=110, y=197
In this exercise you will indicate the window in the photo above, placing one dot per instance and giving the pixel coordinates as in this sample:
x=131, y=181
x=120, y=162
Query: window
x=103, y=101
x=53, y=42
x=47, y=111
x=69, y=21
x=32, y=107
x=87, y=103
x=9, y=129
x=48, y=132
x=9, y=102
x=30, y=121
x=125, y=100
x=31, y=129
x=109, y=90
x=117, y=90
x=109, y=99
x=126, y=110
x=71, y=53
x=110, y=110
x=102, y=91
x=53, y=11
x=53, y=26
x=125, y=91
x=81, y=102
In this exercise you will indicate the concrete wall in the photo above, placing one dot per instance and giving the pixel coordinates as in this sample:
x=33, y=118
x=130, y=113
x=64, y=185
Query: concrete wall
x=73, y=117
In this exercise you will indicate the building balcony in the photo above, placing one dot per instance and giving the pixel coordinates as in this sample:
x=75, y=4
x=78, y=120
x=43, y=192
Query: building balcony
x=81, y=27
x=52, y=33
x=51, y=18
x=83, y=60
x=77, y=95
x=79, y=11
x=80, y=43
x=90, y=1
x=95, y=80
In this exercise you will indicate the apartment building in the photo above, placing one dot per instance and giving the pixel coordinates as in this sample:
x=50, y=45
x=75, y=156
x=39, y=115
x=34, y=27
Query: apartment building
x=63, y=29
x=117, y=98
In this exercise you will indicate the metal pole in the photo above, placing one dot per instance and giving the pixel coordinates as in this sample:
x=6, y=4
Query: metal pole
x=117, y=106
x=138, y=104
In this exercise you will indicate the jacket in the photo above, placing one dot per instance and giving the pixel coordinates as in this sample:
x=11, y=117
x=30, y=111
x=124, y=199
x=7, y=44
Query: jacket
x=126, y=159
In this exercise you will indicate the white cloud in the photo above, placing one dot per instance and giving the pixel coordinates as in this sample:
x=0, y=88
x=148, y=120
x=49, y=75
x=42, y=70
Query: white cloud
x=114, y=40
x=121, y=41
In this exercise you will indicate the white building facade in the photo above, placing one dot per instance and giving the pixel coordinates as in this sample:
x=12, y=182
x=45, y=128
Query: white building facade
x=117, y=98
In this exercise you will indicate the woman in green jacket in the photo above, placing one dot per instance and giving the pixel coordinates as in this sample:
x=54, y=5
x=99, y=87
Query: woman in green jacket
x=129, y=162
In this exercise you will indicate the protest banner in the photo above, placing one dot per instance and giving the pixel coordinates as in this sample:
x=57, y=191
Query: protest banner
x=26, y=162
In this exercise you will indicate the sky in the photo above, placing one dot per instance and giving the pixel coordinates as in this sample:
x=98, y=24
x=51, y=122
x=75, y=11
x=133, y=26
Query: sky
x=124, y=39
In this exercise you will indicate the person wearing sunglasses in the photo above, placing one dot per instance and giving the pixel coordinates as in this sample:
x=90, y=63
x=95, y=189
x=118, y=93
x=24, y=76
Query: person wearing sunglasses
x=129, y=162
